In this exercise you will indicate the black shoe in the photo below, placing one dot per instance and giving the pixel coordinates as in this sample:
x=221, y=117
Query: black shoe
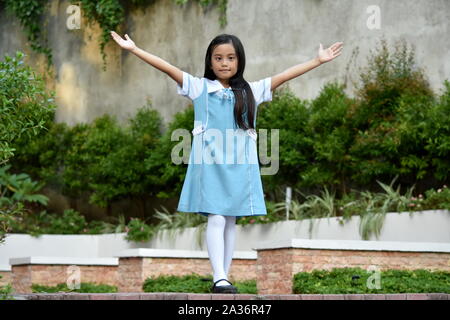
x=224, y=289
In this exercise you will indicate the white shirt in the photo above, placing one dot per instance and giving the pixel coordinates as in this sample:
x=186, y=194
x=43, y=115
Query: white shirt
x=193, y=87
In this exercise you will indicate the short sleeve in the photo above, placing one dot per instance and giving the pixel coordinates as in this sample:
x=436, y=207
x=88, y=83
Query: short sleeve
x=261, y=90
x=192, y=86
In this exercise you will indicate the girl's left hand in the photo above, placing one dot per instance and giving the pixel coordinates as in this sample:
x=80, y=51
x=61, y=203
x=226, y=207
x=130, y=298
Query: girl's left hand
x=330, y=53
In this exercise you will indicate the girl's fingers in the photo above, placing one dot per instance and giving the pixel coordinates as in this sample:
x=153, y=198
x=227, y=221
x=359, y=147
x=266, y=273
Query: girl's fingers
x=337, y=46
x=336, y=54
x=115, y=35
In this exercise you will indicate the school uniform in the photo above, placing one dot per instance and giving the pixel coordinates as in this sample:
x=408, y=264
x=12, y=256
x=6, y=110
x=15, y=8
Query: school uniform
x=223, y=175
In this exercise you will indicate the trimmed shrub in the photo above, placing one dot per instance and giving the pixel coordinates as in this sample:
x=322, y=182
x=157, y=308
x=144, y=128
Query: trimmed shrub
x=357, y=280
x=193, y=283
x=84, y=288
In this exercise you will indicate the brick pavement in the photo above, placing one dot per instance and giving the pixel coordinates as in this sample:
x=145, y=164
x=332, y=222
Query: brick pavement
x=192, y=296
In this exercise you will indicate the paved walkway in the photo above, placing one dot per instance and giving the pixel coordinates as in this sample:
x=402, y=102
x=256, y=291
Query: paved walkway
x=192, y=296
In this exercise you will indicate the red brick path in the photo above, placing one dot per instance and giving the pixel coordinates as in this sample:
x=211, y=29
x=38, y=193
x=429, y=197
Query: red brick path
x=191, y=296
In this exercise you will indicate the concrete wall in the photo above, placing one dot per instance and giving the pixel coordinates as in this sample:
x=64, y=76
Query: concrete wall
x=425, y=227
x=276, y=35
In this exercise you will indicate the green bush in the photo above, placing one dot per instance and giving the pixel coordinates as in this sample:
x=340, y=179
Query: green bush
x=5, y=292
x=70, y=222
x=360, y=281
x=193, y=283
x=394, y=100
x=25, y=105
x=87, y=161
x=437, y=135
x=119, y=172
x=434, y=199
x=328, y=130
x=84, y=288
x=295, y=143
x=395, y=126
x=138, y=231
x=101, y=159
x=42, y=157
x=25, y=108
x=16, y=192
x=246, y=287
x=166, y=176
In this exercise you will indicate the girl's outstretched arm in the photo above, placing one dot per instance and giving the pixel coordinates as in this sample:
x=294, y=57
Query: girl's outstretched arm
x=323, y=56
x=128, y=44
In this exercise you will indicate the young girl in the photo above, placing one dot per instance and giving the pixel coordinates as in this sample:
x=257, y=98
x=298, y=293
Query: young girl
x=225, y=106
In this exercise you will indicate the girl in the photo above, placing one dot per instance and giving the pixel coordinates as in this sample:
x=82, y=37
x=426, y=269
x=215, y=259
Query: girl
x=224, y=104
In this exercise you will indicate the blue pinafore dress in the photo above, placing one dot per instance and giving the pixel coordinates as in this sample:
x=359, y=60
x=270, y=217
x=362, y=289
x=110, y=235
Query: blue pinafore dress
x=223, y=175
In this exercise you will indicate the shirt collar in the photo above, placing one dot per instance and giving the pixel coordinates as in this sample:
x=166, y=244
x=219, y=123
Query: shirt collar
x=214, y=85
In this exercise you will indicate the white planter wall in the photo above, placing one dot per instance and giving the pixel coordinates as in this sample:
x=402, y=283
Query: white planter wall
x=421, y=226
x=431, y=226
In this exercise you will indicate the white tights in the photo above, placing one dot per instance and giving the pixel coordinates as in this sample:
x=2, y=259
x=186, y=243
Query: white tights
x=220, y=239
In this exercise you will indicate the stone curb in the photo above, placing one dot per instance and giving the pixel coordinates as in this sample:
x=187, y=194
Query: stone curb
x=195, y=296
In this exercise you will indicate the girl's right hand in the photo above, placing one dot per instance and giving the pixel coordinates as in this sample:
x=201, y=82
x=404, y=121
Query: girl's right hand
x=127, y=44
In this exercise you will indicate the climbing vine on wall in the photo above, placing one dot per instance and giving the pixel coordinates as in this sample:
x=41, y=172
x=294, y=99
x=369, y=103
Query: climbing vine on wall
x=109, y=14
x=30, y=14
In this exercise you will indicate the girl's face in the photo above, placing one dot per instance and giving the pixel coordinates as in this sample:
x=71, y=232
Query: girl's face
x=224, y=62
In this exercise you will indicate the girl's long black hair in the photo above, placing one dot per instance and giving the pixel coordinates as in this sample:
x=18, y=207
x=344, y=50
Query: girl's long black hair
x=245, y=101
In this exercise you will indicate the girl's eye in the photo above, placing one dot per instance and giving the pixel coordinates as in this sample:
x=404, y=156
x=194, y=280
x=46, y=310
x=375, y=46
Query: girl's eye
x=219, y=58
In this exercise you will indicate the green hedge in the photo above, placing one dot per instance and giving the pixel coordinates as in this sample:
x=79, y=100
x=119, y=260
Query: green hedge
x=84, y=288
x=6, y=291
x=70, y=222
x=193, y=283
x=394, y=126
x=357, y=280
x=107, y=161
